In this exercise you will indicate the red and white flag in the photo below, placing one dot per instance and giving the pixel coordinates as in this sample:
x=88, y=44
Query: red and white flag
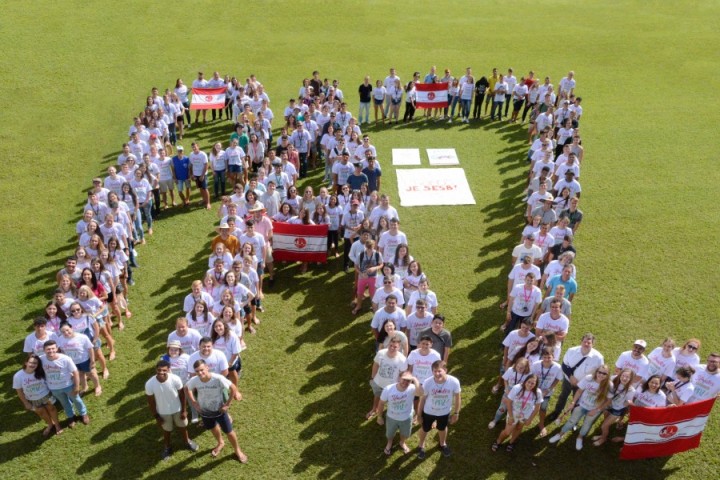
x=431, y=95
x=660, y=432
x=299, y=243
x=207, y=98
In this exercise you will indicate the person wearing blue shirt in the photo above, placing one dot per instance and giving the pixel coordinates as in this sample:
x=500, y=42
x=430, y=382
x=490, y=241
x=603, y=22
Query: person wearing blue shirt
x=181, y=174
x=565, y=279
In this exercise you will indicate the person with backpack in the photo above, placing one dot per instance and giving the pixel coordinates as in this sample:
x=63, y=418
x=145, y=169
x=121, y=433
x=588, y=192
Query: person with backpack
x=369, y=263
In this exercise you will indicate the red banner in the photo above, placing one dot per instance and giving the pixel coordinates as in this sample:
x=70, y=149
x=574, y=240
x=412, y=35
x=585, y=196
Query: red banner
x=660, y=432
x=299, y=243
x=431, y=95
x=207, y=98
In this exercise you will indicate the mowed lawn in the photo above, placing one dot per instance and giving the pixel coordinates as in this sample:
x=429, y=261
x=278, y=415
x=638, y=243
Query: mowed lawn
x=75, y=73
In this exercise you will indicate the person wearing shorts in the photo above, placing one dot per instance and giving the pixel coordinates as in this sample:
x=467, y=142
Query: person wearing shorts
x=211, y=395
x=199, y=167
x=399, y=399
x=439, y=406
x=166, y=399
x=368, y=265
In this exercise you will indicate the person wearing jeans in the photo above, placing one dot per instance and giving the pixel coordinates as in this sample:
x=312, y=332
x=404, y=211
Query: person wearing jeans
x=63, y=380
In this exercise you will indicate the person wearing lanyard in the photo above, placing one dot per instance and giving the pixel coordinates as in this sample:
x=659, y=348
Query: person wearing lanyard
x=523, y=301
x=300, y=139
x=549, y=373
x=522, y=403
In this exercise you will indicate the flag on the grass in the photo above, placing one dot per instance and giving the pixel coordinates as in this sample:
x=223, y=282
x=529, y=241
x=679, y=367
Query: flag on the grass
x=299, y=243
x=431, y=95
x=659, y=432
x=207, y=98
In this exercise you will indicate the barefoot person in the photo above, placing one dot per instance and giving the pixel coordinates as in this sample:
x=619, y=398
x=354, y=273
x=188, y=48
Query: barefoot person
x=166, y=399
x=439, y=406
x=399, y=399
x=207, y=393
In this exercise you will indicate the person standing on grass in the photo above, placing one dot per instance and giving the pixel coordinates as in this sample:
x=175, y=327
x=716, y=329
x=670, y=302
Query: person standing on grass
x=439, y=406
x=548, y=373
x=181, y=174
x=63, y=380
x=199, y=165
x=441, y=337
x=200, y=82
x=211, y=395
x=522, y=404
x=32, y=390
x=166, y=399
x=388, y=364
x=399, y=399
x=365, y=90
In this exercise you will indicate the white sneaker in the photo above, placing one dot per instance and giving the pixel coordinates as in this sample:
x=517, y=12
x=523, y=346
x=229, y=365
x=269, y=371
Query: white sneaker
x=449, y=120
x=556, y=438
x=579, y=443
x=491, y=425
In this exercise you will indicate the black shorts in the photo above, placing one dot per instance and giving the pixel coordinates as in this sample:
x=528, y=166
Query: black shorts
x=223, y=420
x=110, y=297
x=428, y=420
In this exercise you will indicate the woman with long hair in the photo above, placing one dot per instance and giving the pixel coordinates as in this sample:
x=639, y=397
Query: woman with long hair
x=522, y=404
x=228, y=343
x=590, y=400
x=514, y=375
x=622, y=390
x=80, y=349
x=32, y=390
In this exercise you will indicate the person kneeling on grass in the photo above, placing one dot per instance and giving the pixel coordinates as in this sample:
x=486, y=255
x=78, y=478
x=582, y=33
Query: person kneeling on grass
x=439, y=393
x=208, y=393
x=166, y=399
x=399, y=399
x=523, y=404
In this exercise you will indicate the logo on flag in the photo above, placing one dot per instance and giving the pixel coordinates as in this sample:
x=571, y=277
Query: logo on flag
x=431, y=95
x=207, y=98
x=660, y=432
x=303, y=243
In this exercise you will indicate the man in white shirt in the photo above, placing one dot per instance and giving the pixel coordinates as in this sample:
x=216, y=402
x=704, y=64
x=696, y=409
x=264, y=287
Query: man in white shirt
x=578, y=362
x=387, y=83
x=215, y=82
x=519, y=94
x=165, y=180
x=388, y=364
x=301, y=140
x=553, y=322
x=200, y=82
x=166, y=399
x=383, y=210
x=390, y=240
x=399, y=399
x=635, y=360
x=439, y=406
x=237, y=163
x=199, y=168
x=567, y=85
x=501, y=88
x=511, y=82
x=706, y=379
x=215, y=360
x=523, y=300
x=527, y=247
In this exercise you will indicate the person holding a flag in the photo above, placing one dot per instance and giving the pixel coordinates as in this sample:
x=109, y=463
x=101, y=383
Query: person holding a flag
x=200, y=82
x=707, y=379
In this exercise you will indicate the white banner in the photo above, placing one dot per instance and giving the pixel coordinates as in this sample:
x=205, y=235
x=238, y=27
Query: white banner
x=433, y=186
x=406, y=156
x=443, y=156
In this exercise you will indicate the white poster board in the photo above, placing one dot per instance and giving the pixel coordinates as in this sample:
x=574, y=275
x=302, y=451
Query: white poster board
x=443, y=156
x=406, y=156
x=433, y=186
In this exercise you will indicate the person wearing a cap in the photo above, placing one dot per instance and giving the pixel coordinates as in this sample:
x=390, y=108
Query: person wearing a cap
x=569, y=182
x=536, y=200
x=635, y=360
x=527, y=248
x=181, y=174
x=351, y=223
x=578, y=362
x=166, y=400
x=264, y=226
x=399, y=400
x=342, y=170
x=232, y=243
x=199, y=166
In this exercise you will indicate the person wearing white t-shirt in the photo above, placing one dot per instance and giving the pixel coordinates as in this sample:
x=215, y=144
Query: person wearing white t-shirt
x=63, y=381
x=390, y=240
x=199, y=166
x=549, y=374
x=214, y=359
x=387, y=84
x=553, y=322
x=421, y=360
x=383, y=210
x=388, y=364
x=567, y=85
x=439, y=406
x=166, y=400
x=189, y=338
x=165, y=180
x=519, y=95
x=399, y=399
x=522, y=404
x=527, y=248
x=418, y=321
x=662, y=361
x=501, y=89
x=680, y=390
x=578, y=362
x=706, y=379
x=389, y=312
x=523, y=300
x=32, y=389
x=200, y=82
x=635, y=360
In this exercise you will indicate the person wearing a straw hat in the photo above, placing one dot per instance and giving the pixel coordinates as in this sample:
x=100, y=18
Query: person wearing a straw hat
x=264, y=227
x=231, y=242
x=166, y=399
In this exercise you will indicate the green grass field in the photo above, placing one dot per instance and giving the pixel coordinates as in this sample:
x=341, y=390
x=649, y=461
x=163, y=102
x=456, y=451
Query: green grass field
x=75, y=73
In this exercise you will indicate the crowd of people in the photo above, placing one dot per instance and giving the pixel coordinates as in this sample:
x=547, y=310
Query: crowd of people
x=409, y=374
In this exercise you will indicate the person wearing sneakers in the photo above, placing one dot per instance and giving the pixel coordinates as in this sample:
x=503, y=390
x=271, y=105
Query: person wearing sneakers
x=439, y=405
x=166, y=399
x=208, y=394
x=399, y=399
x=590, y=400
x=522, y=403
x=63, y=380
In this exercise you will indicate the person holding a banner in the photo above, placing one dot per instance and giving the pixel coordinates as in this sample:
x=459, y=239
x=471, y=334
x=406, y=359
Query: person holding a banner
x=200, y=82
x=680, y=390
x=592, y=397
x=707, y=379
